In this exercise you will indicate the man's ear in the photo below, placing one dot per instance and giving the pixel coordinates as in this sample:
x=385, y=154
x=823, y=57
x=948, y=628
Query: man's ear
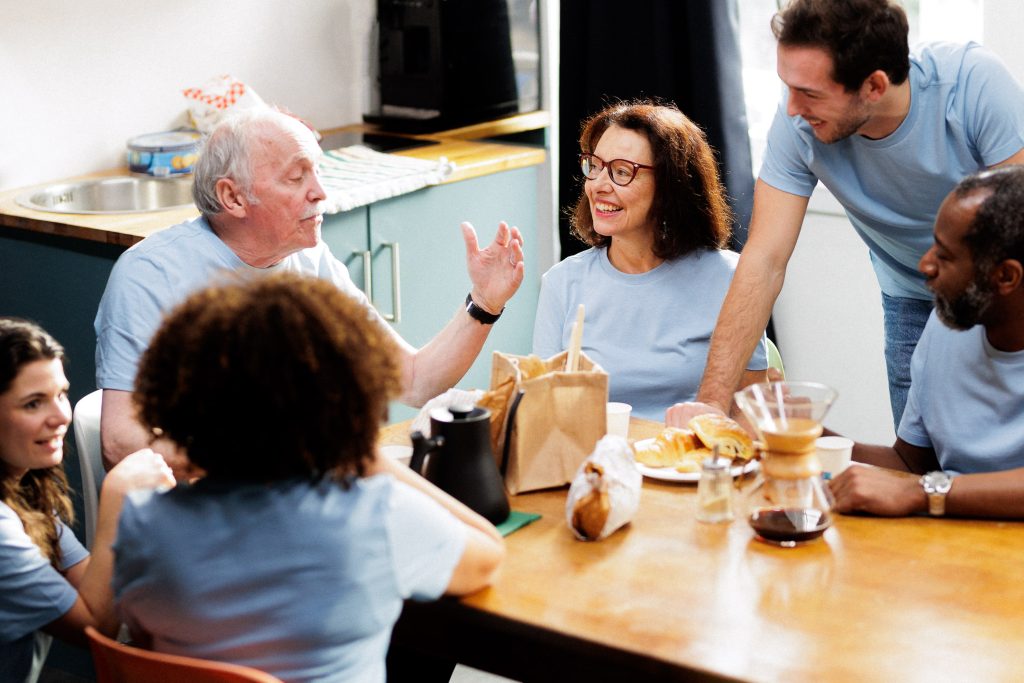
x=1007, y=276
x=231, y=197
x=875, y=85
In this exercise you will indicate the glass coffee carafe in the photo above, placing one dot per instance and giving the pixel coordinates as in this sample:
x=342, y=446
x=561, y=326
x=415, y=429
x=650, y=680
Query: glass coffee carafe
x=788, y=504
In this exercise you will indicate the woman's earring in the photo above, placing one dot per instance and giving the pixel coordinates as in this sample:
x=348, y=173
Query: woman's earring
x=664, y=228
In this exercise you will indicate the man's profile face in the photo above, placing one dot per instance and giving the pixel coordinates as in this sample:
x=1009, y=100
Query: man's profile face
x=288, y=214
x=962, y=291
x=832, y=113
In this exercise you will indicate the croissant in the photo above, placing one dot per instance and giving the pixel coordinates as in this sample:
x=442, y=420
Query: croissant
x=732, y=440
x=674, y=447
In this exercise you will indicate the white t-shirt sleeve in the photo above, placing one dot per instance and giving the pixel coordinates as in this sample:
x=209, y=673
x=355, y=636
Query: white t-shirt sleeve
x=426, y=540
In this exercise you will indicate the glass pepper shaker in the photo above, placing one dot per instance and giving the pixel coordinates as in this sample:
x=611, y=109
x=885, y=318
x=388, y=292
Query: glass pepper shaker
x=714, y=490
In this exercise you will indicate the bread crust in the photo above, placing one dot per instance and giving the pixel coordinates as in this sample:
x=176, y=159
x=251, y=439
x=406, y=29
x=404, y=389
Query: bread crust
x=732, y=440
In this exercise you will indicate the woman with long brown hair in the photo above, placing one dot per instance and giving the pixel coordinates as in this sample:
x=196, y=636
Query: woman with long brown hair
x=654, y=212
x=49, y=584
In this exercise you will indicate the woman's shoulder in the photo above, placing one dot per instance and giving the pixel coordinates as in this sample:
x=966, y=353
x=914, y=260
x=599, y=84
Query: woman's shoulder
x=573, y=266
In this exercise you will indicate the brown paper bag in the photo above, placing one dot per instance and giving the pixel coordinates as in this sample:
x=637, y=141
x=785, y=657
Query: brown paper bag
x=550, y=419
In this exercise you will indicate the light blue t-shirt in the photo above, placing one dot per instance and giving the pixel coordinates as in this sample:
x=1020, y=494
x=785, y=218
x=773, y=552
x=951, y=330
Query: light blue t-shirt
x=32, y=594
x=966, y=114
x=966, y=400
x=159, y=272
x=650, y=332
x=304, y=581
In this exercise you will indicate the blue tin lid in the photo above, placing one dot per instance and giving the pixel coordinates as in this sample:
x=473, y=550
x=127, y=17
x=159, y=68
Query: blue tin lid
x=166, y=141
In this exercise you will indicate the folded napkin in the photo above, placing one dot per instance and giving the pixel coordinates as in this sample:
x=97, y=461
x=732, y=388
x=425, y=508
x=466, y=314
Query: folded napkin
x=516, y=520
x=356, y=176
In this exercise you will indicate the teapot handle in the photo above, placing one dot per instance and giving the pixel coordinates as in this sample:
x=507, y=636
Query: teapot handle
x=421, y=446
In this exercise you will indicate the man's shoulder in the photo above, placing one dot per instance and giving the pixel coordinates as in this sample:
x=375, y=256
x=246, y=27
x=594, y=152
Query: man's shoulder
x=945, y=61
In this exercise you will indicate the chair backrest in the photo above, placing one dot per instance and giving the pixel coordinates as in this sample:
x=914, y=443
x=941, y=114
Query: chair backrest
x=775, y=359
x=119, y=663
x=86, y=422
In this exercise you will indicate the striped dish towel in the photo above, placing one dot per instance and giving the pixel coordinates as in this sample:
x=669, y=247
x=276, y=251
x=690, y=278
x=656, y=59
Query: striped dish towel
x=356, y=176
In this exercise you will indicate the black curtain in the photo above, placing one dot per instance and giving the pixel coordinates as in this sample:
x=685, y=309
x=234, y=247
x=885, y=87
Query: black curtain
x=686, y=51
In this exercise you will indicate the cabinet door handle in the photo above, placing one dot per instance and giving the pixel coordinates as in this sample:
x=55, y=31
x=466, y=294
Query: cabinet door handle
x=396, y=292
x=367, y=258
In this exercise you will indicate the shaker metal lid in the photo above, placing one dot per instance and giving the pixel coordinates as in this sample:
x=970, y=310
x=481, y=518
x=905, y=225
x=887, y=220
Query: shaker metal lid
x=165, y=141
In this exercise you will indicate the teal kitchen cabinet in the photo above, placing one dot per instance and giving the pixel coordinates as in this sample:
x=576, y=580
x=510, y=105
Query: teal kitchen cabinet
x=413, y=248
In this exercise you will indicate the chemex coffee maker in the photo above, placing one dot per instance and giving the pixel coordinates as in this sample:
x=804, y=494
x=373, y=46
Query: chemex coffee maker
x=449, y=63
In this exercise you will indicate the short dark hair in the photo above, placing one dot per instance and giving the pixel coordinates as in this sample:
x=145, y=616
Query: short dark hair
x=689, y=200
x=997, y=231
x=268, y=379
x=861, y=36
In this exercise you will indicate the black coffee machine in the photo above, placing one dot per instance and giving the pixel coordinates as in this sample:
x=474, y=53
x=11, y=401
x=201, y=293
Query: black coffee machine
x=449, y=63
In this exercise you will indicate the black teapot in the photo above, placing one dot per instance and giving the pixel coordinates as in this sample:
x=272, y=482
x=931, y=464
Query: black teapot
x=461, y=461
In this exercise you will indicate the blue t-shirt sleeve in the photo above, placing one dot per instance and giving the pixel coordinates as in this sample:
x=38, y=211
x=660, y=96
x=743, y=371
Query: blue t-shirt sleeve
x=71, y=550
x=426, y=541
x=129, y=314
x=550, y=319
x=993, y=105
x=783, y=167
x=32, y=592
x=912, y=428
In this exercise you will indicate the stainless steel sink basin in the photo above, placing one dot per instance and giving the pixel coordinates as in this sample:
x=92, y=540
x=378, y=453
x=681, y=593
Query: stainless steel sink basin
x=121, y=194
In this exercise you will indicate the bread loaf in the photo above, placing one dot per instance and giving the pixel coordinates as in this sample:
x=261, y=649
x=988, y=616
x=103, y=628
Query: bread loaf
x=591, y=511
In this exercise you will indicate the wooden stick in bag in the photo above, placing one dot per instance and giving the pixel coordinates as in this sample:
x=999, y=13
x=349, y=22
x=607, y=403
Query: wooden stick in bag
x=572, y=360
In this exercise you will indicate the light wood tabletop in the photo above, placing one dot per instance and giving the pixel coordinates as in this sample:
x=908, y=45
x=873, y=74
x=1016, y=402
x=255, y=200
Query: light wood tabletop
x=670, y=598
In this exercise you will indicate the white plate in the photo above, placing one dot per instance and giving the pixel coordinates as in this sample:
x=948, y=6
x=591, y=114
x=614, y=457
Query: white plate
x=671, y=474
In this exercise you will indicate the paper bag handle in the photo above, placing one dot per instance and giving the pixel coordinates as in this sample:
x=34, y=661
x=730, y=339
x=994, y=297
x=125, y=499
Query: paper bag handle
x=508, y=431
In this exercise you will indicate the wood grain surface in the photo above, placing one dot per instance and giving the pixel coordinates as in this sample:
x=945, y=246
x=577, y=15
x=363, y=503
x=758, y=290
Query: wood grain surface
x=669, y=598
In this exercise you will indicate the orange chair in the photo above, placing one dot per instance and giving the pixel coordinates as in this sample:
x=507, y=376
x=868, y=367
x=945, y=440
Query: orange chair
x=119, y=663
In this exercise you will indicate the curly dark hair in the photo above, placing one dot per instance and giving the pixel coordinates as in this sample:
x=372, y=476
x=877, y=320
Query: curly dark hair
x=269, y=379
x=861, y=36
x=997, y=231
x=39, y=494
x=689, y=200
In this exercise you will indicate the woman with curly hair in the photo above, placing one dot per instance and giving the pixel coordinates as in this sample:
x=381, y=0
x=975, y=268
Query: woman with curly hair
x=49, y=584
x=654, y=213
x=294, y=552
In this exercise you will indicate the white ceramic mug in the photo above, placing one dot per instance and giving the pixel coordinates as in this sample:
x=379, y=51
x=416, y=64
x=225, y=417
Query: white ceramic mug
x=834, y=453
x=618, y=418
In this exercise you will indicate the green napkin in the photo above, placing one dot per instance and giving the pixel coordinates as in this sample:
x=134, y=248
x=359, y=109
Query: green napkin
x=516, y=520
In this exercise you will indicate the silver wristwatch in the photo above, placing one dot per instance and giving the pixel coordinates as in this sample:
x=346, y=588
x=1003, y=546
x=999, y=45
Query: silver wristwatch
x=936, y=485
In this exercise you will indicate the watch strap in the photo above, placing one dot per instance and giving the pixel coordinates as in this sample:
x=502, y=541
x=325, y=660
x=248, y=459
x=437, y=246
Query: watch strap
x=480, y=315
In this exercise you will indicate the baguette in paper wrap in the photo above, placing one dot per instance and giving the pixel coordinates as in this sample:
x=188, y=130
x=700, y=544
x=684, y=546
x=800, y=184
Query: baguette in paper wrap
x=605, y=493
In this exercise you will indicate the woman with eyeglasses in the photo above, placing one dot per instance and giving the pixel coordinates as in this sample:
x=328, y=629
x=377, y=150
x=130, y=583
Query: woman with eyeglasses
x=49, y=584
x=654, y=213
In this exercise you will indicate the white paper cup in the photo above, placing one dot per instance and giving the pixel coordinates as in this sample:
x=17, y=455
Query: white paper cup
x=834, y=454
x=618, y=419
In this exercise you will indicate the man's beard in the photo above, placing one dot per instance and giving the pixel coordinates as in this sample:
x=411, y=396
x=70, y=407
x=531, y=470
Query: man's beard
x=850, y=123
x=964, y=311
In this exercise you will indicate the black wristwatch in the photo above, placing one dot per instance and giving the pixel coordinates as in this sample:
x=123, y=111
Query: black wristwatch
x=480, y=315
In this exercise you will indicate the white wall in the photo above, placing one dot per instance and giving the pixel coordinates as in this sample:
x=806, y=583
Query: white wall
x=80, y=78
x=828, y=317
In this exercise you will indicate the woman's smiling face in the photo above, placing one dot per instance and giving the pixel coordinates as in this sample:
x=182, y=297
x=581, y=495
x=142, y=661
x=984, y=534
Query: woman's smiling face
x=34, y=417
x=622, y=211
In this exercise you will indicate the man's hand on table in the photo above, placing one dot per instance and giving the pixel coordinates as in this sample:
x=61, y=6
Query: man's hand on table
x=878, y=491
x=681, y=413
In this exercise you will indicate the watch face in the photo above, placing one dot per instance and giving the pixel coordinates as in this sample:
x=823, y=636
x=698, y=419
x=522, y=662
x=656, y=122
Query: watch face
x=939, y=482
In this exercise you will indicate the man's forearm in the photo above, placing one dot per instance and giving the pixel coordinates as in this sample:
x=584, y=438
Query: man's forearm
x=741, y=323
x=443, y=361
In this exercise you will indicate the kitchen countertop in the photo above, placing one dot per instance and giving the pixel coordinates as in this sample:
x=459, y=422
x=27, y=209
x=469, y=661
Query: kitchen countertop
x=466, y=147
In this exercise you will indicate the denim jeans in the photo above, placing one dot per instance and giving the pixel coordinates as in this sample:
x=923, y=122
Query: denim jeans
x=904, y=322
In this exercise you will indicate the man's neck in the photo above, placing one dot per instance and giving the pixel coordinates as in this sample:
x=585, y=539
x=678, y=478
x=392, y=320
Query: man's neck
x=238, y=240
x=1007, y=333
x=889, y=112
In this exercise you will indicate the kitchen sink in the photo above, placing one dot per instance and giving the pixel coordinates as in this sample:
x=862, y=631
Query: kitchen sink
x=120, y=194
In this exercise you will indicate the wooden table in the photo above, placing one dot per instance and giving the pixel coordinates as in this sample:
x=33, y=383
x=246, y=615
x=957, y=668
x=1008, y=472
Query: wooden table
x=669, y=598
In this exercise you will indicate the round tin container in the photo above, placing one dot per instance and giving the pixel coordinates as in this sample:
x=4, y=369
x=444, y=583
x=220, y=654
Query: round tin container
x=163, y=154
